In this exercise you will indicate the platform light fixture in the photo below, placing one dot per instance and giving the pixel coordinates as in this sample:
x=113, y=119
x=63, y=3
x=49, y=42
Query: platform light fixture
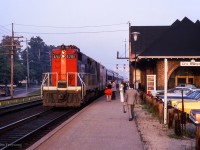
x=135, y=37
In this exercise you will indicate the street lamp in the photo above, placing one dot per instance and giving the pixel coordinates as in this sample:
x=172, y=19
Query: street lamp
x=135, y=36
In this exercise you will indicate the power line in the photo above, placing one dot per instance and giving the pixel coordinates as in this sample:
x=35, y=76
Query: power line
x=97, y=26
x=6, y=25
x=3, y=29
x=91, y=32
x=1, y=33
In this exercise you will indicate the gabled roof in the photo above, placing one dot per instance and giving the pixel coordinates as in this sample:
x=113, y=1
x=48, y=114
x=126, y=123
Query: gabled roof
x=180, y=40
x=148, y=34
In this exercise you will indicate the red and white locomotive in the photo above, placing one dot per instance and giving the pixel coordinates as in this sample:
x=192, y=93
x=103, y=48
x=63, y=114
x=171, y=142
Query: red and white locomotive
x=75, y=78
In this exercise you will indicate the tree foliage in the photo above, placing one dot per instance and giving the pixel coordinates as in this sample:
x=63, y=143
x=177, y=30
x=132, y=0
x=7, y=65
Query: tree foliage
x=39, y=60
x=5, y=52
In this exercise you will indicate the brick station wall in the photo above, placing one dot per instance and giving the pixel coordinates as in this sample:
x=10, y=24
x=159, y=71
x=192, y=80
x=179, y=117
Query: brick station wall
x=157, y=68
x=172, y=65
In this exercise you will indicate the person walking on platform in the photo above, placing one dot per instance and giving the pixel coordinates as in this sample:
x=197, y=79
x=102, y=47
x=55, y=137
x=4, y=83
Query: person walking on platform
x=114, y=89
x=125, y=87
x=130, y=97
x=121, y=91
x=108, y=93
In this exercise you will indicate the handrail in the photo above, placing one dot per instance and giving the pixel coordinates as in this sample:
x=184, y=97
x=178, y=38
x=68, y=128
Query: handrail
x=82, y=85
x=47, y=76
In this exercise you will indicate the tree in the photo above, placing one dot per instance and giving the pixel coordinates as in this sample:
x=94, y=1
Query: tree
x=5, y=60
x=39, y=58
x=4, y=64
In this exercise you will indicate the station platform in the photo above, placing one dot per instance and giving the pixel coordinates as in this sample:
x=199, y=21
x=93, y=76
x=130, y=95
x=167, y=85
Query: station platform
x=100, y=126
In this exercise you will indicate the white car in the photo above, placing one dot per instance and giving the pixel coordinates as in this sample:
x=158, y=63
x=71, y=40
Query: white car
x=177, y=91
x=188, y=85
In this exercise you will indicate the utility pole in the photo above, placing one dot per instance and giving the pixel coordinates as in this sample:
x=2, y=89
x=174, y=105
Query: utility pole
x=129, y=55
x=27, y=65
x=12, y=64
x=12, y=60
x=125, y=47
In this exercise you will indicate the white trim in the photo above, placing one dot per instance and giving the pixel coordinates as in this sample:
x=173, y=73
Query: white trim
x=184, y=57
x=54, y=88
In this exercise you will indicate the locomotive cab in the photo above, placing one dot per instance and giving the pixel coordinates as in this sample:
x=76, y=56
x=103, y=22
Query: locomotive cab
x=63, y=87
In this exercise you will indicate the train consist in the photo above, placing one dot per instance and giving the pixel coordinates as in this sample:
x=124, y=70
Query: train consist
x=75, y=78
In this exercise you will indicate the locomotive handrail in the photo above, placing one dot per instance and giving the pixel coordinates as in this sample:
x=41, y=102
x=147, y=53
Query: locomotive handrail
x=47, y=77
x=78, y=74
x=82, y=85
x=81, y=79
x=46, y=81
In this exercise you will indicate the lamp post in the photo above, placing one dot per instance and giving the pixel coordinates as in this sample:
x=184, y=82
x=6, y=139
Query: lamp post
x=135, y=36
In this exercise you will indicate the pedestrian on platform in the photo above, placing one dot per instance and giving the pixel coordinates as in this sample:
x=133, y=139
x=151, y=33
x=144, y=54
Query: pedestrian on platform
x=130, y=97
x=108, y=93
x=114, y=89
x=125, y=87
x=121, y=91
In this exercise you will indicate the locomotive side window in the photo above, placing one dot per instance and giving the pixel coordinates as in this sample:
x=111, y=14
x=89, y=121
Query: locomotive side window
x=70, y=56
x=56, y=56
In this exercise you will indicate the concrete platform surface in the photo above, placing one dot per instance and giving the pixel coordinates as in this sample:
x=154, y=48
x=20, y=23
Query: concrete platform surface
x=100, y=126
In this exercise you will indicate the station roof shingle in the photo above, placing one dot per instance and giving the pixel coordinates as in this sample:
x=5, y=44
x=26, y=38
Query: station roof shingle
x=180, y=40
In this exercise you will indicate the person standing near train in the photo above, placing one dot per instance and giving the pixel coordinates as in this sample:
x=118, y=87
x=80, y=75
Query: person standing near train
x=131, y=96
x=114, y=89
x=108, y=92
x=121, y=91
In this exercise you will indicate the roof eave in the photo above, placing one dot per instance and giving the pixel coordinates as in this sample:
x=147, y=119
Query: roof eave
x=157, y=57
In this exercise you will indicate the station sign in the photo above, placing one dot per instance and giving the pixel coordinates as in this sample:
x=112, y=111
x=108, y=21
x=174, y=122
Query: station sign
x=189, y=63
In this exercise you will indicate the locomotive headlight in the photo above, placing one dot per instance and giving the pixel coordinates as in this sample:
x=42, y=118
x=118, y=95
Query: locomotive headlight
x=63, y=54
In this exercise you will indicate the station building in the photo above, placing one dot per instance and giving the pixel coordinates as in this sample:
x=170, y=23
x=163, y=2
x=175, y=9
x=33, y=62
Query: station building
x=178, y=43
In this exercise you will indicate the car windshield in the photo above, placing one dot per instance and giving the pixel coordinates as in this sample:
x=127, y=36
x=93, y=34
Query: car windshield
x=193, y=94
x=179, y=90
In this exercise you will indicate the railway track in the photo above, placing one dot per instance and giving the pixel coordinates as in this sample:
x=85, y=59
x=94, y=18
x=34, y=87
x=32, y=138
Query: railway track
x=23, y=124
x=18, y=107
x=17, y=135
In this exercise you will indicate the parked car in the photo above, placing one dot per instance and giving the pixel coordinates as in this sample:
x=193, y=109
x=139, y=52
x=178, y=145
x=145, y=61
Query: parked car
x=187, y=85
x=188, y=105
x=175, y=92
x=190, y=96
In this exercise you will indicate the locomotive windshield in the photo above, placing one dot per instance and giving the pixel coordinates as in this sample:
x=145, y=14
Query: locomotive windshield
x=56, y=56
x=70, y=56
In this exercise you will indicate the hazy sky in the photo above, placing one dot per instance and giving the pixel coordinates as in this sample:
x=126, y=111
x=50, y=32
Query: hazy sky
x=98, y=27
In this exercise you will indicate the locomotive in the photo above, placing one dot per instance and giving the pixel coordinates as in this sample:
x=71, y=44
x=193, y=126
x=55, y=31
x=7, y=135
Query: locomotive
x=75, y=78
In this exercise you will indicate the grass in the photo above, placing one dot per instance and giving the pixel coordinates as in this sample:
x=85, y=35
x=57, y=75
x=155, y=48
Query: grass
x=150, y=109
x=37, y=92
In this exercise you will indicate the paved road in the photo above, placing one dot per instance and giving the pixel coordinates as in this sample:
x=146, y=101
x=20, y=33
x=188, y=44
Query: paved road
x=21, y=92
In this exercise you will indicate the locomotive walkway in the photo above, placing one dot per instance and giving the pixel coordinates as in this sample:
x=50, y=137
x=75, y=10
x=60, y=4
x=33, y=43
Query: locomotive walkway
x=100, y=126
